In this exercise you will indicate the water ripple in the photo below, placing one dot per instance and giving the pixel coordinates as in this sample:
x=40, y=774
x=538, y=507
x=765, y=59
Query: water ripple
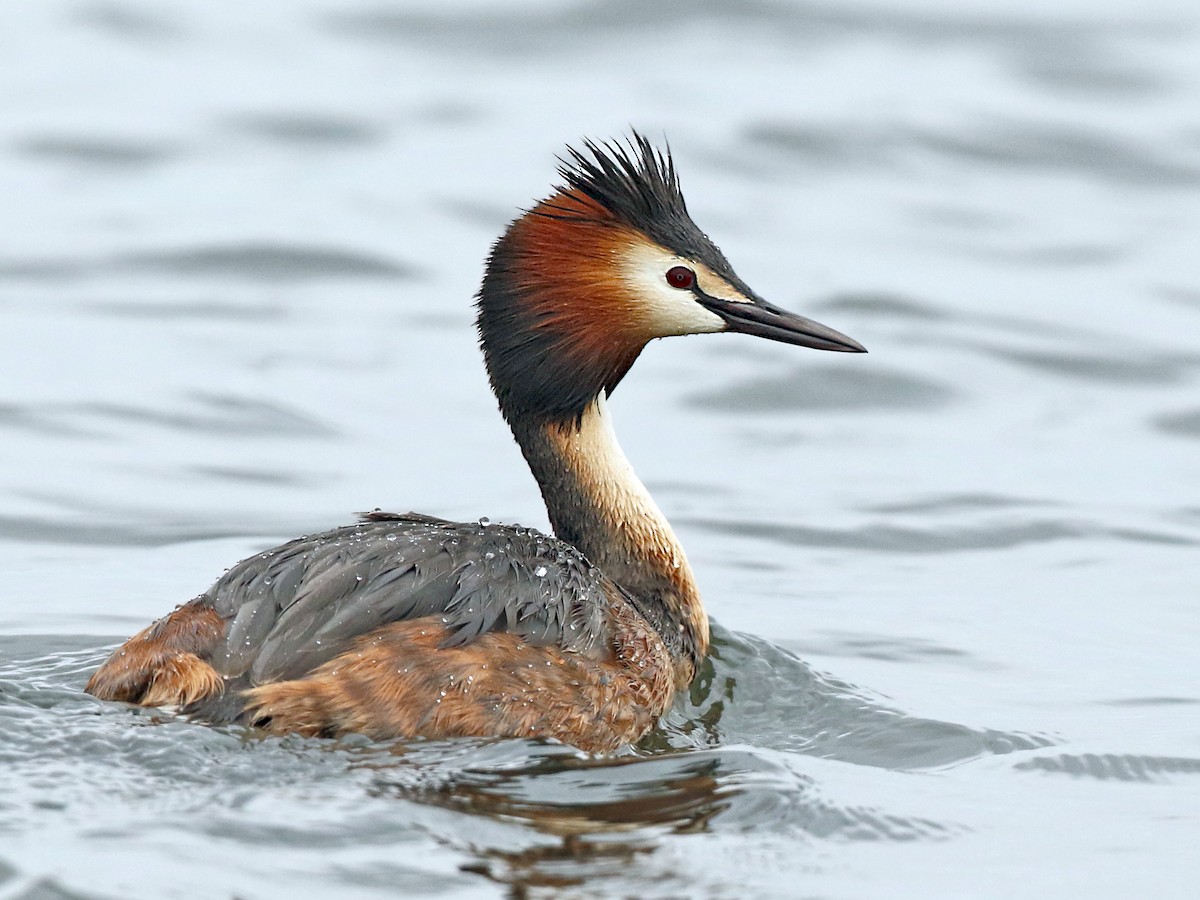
x=264, y=261
x=143, y=530
x=898, y=539
x=1076, y=149
x=1182, y=424
x=753, y=692
x=97, y=151
x=509, y=29
x=949, y=504
x=1086, y=65
x=308, y=129
x=826, y=388
x=1100, y=368
x=202, y=413
x=1052, y=147
x=199, y=310
x=1112, y=766
x=132, y=23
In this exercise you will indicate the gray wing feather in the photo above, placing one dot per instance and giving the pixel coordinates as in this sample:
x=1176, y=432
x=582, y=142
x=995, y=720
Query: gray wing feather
x=292, y=608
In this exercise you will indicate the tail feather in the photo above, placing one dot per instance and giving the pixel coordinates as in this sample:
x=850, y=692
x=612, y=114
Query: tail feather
x=165, y=664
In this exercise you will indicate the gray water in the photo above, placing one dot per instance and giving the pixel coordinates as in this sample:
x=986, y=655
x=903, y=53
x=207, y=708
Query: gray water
x=954, y=581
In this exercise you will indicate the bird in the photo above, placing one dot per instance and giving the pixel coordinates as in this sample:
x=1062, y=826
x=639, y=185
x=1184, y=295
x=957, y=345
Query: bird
x=404, y=626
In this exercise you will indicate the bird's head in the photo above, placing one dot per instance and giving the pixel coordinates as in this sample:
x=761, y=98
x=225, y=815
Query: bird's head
x=578, y=285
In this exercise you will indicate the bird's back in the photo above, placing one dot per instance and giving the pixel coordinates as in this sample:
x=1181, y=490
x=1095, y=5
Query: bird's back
x=293, y=608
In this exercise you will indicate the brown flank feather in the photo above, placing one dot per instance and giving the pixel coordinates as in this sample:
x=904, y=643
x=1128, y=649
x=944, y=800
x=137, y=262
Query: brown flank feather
x=163, y=665
x=400, y=681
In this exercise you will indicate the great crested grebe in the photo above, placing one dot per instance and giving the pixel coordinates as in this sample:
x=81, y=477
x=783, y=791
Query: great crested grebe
x=408, y=625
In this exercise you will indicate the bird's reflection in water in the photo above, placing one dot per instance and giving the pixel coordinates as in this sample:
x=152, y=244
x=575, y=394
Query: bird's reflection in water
x=589, y=816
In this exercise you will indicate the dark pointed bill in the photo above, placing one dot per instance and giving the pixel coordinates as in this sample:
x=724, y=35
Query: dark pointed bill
x=766, y=320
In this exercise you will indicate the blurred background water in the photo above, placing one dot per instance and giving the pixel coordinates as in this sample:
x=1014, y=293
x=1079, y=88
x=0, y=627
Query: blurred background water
x=955, y=580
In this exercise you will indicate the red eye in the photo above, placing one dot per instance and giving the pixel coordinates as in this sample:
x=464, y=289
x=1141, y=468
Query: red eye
x=680, y=277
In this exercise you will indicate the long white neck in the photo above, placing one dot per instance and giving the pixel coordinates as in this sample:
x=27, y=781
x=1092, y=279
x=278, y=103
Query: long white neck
x=596, y=502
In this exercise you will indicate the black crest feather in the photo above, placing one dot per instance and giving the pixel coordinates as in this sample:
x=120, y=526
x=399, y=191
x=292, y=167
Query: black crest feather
x=635, y=181
x=637, y=184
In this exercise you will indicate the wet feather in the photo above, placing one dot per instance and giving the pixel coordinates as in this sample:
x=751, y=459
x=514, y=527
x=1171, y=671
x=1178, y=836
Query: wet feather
x=292, y=609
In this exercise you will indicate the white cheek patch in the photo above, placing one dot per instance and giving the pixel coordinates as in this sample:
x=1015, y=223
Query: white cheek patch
x=664, y=310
